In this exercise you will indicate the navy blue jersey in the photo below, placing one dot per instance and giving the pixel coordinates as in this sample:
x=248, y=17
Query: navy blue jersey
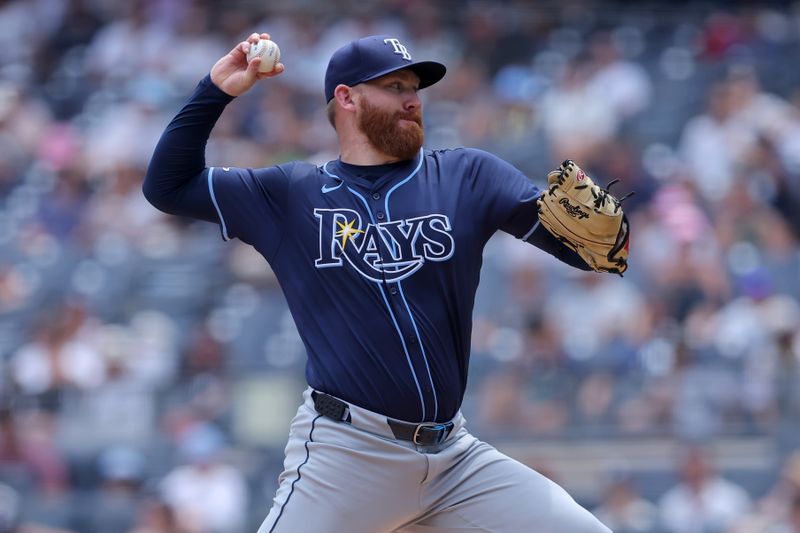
x=379, y=265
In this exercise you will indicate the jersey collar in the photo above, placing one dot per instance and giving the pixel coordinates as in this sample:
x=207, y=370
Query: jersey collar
x=372, y=177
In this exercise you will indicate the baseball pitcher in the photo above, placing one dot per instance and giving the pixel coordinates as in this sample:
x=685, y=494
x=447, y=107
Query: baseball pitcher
x=379, y=253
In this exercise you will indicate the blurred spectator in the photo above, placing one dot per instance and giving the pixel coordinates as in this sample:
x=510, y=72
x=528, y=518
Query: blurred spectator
x=715, y=145
x=21, y=20
x=596, y=403
x=10, y=509
x=11, y=520
x=116, y=206
x=776, y=511
x=623, y=509
x=121, y=471
x=29, y=458
x=110, y=55
x=792, y=522
x=765, y=115
x=703, y=396
x=576, y=122
x=208, y=495
x=51, y=501
x=703, y=501
x=204, y=355
x=721, y=32
x=619, y=159
x=191, y=43
x=623, y=84
x=120, y=409
x=772, y=365
x=62, y=209
x=531, y=393
x=156, y=516
x=591, y=328
x=57, y=359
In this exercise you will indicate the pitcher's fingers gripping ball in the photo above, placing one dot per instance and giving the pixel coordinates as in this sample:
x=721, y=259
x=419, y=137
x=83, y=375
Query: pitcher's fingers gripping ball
x=269, y=53
x=586, y=217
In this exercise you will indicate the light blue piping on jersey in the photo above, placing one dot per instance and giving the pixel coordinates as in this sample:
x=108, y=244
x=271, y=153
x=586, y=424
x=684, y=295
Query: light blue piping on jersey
x=413, y=173
x=536, y=225
x=424, y=357
x=224, y=228
x=400, y=285
x=391, y=313
x=528, y=235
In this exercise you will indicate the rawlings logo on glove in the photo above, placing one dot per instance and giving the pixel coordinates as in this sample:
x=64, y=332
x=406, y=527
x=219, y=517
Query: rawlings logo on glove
x=586, y=218
x=573, y=210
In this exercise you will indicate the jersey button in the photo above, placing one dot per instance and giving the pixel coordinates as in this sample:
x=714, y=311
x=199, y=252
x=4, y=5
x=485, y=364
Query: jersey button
x=376, y=196
x=380, y=215
x=393, y=290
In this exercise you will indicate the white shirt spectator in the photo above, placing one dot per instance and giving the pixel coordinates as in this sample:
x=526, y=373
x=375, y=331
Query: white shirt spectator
x=715, y=144
x=624, y=85
x=714, y=508
x=208, y=495
x=213, y=498
x=32, y=368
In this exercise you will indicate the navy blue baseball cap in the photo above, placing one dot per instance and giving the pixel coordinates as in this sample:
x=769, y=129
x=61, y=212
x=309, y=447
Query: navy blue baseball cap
x=372, y=57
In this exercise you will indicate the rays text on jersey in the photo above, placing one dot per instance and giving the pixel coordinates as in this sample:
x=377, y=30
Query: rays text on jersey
x=387, y=251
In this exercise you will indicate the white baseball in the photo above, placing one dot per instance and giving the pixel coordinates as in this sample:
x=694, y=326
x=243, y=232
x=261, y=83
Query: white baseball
x=269, y=53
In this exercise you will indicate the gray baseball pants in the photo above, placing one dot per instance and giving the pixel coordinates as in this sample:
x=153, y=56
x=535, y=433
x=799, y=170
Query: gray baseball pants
x=357, y=478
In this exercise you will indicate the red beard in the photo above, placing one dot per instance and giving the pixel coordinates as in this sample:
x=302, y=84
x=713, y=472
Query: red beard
x=387, y=134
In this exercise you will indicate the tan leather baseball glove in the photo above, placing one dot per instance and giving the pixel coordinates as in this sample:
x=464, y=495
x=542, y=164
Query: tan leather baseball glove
x=586, y=217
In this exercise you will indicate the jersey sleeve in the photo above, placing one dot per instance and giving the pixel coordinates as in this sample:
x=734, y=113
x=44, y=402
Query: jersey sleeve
x=175, y=181
x=251, y=203
x=507, y=195
x=512, y=206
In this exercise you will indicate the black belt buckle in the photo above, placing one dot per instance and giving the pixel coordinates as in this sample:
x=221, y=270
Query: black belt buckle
x=431, y=433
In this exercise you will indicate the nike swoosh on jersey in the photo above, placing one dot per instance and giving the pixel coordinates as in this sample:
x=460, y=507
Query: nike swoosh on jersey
x=328, y=188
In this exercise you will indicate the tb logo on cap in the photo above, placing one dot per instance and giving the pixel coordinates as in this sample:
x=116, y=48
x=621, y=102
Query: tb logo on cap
x=399, y=48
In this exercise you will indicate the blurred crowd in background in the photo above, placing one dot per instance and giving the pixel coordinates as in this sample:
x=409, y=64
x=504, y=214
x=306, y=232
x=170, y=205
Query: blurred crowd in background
x=148, y=371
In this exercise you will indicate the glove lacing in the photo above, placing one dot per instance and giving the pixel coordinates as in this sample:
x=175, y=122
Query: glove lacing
x=603, y=195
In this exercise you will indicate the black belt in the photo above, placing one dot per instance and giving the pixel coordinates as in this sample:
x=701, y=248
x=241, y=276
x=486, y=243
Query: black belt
x=424, y=434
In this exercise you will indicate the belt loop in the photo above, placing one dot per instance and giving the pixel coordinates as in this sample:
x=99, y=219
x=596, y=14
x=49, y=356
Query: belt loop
x=327, y=405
